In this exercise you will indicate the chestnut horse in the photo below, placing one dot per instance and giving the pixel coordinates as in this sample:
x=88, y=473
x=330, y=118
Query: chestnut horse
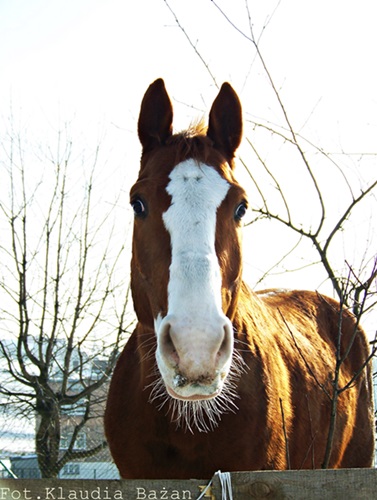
x=215, y=376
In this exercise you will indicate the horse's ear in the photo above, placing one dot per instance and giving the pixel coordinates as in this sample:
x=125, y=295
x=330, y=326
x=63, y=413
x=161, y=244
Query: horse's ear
x=225, y=121
x=156, y=116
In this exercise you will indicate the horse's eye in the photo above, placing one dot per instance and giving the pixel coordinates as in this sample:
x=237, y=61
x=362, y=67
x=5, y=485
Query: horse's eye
x=240, y=211
x=139, y=207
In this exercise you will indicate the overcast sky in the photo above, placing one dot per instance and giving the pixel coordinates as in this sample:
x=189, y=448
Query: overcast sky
x=95, y=58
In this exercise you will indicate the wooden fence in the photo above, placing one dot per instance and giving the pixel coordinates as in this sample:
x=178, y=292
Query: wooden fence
x=345, y=484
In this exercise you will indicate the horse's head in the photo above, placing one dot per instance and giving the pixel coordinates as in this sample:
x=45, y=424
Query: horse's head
x=186, y=263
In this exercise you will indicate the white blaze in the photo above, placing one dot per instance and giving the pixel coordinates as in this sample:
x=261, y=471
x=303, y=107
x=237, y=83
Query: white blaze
x=195, y=280
x=194, y=340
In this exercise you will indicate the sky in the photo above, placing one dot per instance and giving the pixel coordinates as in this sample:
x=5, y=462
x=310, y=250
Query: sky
x=95, y=58
x=87, y=63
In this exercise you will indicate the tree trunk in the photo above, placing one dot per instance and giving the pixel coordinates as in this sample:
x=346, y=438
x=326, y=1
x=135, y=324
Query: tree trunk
x=48, y=438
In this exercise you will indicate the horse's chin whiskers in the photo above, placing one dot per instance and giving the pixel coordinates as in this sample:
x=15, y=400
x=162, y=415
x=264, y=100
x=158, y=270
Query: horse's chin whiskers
x=240, y=343
x=148, y=355
x=150, y=345
x=199, y=416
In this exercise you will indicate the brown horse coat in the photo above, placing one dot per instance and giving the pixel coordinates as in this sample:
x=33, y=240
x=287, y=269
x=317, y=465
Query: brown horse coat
x=243, y=380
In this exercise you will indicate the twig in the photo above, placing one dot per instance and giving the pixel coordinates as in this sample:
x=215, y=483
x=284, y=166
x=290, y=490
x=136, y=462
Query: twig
x=286, y=441
x=191, y=43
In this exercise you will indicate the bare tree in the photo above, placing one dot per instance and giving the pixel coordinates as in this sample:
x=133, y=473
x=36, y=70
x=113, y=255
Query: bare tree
x=63, y=310
x=354, y=284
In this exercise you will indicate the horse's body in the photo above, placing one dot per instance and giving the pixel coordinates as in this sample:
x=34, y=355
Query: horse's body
x=243, y=381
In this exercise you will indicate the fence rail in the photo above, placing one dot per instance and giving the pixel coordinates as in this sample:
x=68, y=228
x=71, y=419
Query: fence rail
x=357, y=484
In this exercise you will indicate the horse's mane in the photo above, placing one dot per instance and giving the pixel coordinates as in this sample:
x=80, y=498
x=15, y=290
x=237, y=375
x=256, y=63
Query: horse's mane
x=192, y=142
x=196, y=127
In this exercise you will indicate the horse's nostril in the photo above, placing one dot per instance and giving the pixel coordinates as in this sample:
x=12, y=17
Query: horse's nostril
x=225, y=349
x=224, y=345
x=167, y=345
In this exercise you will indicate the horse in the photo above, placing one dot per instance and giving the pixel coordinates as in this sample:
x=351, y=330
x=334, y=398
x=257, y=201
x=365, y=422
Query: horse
x=216, y=376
